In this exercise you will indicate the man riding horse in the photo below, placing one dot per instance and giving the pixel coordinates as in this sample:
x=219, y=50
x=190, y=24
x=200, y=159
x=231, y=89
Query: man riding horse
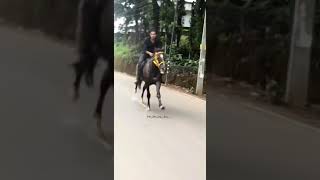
x=151, y=67
x=150, y=45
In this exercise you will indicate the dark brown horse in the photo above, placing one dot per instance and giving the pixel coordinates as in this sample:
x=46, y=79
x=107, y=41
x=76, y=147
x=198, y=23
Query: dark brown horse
x=94, y=36
x=152, y=73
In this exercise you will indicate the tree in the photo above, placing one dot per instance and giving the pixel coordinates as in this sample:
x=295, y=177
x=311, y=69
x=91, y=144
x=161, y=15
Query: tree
x=166, y=18
x=195, y=33
x=155, y=15
x=249, y=38
x=180, y=13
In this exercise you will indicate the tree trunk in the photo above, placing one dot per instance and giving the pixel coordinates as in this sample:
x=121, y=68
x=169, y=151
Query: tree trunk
x=136, y=28
x=155, y=15
x=180, y=14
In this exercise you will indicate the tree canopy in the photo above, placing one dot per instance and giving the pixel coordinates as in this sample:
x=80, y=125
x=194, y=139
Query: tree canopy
x=161, y=15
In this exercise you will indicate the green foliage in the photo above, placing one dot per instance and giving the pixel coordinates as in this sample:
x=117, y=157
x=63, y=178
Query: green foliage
x=195, y=33
x=146, y=14
x=251, y=39
x=136, y=11
x=126, y=53
x=166, y=18
x=177, y=59
x=185, y=46
x=180, y=13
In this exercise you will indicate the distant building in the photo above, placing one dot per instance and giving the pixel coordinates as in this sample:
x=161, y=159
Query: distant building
x=186, y=19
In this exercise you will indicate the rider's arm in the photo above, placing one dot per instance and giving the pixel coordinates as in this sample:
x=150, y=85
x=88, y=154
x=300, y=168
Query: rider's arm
x=145, y=46
x=149, y=53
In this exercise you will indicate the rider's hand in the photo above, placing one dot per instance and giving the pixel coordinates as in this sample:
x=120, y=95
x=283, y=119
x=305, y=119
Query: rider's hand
x=151, y=54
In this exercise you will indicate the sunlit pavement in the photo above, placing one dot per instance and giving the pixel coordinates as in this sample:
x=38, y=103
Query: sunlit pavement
x=158, y=144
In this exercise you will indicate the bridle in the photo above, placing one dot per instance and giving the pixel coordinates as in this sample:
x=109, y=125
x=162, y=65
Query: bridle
x=156, y=61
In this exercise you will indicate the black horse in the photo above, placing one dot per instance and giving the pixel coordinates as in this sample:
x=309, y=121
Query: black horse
x=94, y=36
x=152, y=73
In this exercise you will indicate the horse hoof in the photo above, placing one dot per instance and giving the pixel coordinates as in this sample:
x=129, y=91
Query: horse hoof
x=162, y=107
x=148, y=109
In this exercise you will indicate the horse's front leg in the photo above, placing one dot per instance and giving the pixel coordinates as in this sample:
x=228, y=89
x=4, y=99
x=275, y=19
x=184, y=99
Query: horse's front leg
x=158, y=86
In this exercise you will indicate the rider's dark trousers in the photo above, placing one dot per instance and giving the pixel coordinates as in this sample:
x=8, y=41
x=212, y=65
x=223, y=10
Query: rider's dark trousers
x=142, y=59
x=140, y=64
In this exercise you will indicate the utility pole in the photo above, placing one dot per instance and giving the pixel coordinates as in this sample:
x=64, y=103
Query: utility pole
x=202, y=60
x=172, y=34
x=300, y=53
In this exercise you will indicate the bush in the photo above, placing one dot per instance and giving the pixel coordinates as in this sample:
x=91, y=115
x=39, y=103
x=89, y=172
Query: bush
x=185, y=46
x=177, y=59
x=124, y=52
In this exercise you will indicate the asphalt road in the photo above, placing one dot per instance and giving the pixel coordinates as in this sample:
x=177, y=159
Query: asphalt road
x=249, y=142
x=156, y=144
x=43, y=134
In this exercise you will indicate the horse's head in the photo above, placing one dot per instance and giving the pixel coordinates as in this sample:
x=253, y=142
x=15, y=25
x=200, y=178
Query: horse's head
x=159, y=61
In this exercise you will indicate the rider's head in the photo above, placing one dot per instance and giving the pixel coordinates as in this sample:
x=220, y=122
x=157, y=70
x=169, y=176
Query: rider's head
x=153, y=34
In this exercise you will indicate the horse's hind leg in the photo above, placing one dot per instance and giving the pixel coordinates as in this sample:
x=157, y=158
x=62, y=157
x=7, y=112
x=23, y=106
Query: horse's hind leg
x=143, y=89
x=135, y=89
x=79, y=69
x=104, y=86
x=92, y=62
x=158, y=86
x=148, y=95
x=106, y=81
